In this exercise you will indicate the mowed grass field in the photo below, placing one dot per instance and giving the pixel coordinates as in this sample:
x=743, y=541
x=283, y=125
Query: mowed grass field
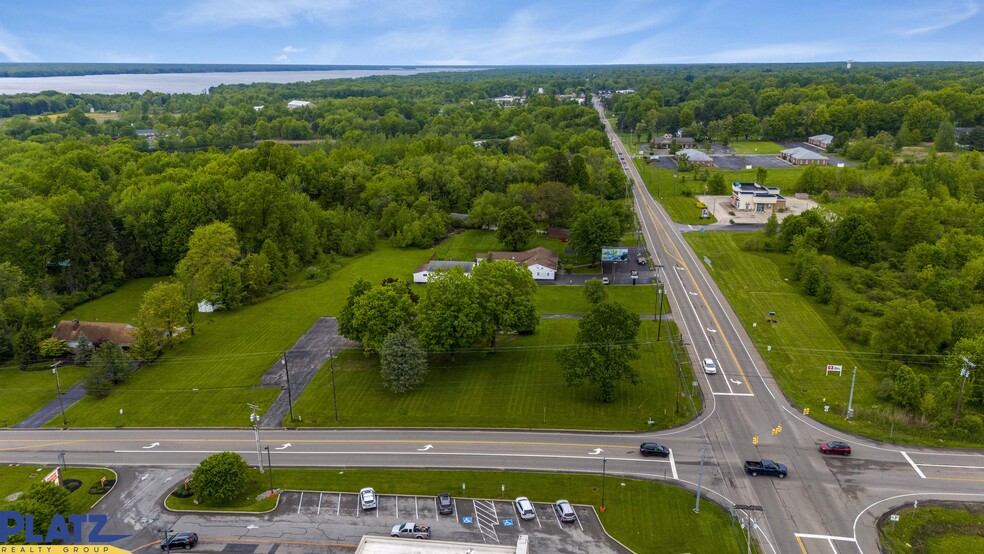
x=23, y=392
x=756, y=147
x=934, y=529
x=208, y=379
x=647, y=517
x=803, y=342
x=520, y=385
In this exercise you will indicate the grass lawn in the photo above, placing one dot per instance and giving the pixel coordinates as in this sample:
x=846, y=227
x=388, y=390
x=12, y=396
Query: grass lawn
x=645, y=516
x=17, y=478
x=467, y=244
x=521, y=385
x=229, y=353
x=569, y=299
x=756, y=147
x=803, y=342
x=934, y=529
x=119, y=306
x=23, y=392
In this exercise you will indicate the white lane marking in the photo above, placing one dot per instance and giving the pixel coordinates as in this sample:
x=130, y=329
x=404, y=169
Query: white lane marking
x=416, y=512
x=673, y=466
x=913, y=464
x=321, y=497
x=299, y=502
x=732, y=393
x=953, y=466
x=338, y=509
x=284, y=447
x=825, y=537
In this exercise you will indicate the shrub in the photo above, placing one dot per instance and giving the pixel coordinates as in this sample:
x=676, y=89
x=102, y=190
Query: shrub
x=221, y=478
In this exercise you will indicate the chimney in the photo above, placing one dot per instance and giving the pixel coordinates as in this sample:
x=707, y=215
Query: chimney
x=75, y=325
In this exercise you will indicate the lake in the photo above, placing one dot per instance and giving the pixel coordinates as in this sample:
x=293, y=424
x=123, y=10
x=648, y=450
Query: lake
x=194, y=83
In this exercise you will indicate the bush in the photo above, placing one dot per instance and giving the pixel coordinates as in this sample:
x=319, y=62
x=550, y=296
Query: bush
x=971, y=424
x=221, y=478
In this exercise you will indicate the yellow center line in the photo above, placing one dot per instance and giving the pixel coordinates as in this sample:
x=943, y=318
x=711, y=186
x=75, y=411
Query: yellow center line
x=679, y=258
x=322, y=441
x=38, y=445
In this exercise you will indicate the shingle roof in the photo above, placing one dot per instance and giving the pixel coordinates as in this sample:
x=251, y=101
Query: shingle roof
x=446, y=264
x=822, y=138
x=694, y=155
x=539, y=255
x=801, y=153
x=119, y=333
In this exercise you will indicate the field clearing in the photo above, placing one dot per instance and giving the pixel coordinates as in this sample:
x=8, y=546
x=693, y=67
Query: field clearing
x=23, y=392
x=100, y=117
x=119, y=306
x=520, y=385
x=468, y=244
x=756, y=147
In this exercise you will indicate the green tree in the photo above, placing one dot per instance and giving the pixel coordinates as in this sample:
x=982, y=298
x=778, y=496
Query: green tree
x=111, y=360
x=594, y=229
x=43, y=500
x=84, y=350
x=210, y=269
x=449, y=314
x=946, y=137
x=26, y=346
x=346, y=317
x=594, y=291
x=508, y=295
x=221, y=478
x=516, y=228
x=603, y=349
x=745, y=125
x=487, y=209
x=147, y=340
x=166, y=307
x=579, y=177
x=53, y=348
x=856, y=240
x=772, y=226
x=402, y=362
x=555, y=201
x=910, y=327
x=557, y=168
x=908, y=388
x=379, y=312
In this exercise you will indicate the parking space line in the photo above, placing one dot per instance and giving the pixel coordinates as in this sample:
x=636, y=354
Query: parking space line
x=578, y=518
x=913, y=464
x=486, y=519
x=299, y=502
x=416, y=512
x=320, y=498
x=338, y=510
x=673, y=465
x=397, y=507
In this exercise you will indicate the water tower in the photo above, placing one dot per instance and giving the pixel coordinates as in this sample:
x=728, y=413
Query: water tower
x=849, y=63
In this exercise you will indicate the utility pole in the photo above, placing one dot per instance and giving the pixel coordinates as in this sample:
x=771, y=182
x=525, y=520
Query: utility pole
x=290, y=399
x=850, y=399
x=269, y=466
x=604, y=461
x=965, y=373
x=334, y=394
x=167, y=543
x=54, y=369
x=659, y=319
x=255, y=420
x=700, y=475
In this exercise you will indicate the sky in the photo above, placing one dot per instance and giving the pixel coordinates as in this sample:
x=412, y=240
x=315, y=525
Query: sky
x=489, y=32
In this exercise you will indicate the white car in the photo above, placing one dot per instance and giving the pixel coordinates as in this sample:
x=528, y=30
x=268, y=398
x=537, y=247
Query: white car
x=709, y=367
x=525, y=508
x=367, y=498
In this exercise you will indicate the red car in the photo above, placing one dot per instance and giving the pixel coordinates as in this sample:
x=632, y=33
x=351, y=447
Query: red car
x=835, y=447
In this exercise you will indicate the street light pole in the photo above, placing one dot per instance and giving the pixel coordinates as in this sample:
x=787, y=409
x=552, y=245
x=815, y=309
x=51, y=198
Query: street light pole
x=61, y=404
x=334, y=394
x=290, y=399
x=269, y=466
x=604, y=461
x=255, y=420
x=700, y=475
x=850, y=398
x=659, y=320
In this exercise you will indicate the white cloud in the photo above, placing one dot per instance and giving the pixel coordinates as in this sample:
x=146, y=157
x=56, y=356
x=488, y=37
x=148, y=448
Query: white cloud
x=790, y=52
x=291, y=50
x=940, y=16
x=286, y=13
x=11, y=48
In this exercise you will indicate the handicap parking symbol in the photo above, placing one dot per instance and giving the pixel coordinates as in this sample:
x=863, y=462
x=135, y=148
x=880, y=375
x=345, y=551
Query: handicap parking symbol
x=466, y=519
x=507, y=523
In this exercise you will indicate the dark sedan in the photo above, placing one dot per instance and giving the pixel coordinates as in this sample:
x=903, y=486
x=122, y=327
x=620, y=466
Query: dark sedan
x=653, y=449
x=445, y=505
x=835, y=447
x=180, y=540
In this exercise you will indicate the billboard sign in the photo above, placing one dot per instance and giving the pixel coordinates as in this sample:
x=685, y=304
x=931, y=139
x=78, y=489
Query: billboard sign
x=610, y=254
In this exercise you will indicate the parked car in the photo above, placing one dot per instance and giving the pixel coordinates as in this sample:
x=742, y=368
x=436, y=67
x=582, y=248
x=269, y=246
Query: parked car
x=445, y=505
x=641, y=259
x=411, y=530
x=653, y=449
x=605, y=281
x=835, y=447
x=525, y=508
x=180, y=540
x=565, y=511
x=709, y=366
x=367, y=498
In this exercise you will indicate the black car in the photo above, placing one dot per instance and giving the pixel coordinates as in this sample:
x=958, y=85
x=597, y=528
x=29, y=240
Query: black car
x=444, y=504
x=180, y=540
x=653, y=449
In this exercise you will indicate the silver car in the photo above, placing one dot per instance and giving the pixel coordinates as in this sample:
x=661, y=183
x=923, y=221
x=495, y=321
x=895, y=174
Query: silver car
x=367, y=498
x=709, y=366
x=525, y=508
x=565, y=511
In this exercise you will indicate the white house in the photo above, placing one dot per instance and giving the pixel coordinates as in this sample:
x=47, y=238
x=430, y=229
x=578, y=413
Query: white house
x=755, y=197
x=426, y=271
x=541, y=262
x=294, y=104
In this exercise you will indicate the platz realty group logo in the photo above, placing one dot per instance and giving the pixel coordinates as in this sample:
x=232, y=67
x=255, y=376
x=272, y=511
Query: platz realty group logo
x=69, y=531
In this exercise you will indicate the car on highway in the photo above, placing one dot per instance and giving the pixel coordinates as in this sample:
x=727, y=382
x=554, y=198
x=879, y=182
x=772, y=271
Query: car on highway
x=653, y=449
x=180, y=540
x=525, y=508
x=367, y=498
x=445, y=505
x=710, y=367
x=565, y=511
x=835, y=447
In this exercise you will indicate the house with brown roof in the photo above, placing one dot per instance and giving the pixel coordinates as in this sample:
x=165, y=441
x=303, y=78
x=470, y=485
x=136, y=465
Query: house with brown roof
x=802, y=156
x=667, y=140
x=541, y=262
x=97, y=332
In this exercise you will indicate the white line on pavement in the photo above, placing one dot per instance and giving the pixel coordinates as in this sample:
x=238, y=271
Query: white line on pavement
x=825, y=537
x=913, y=464
x=299, y=502
x=673, y=466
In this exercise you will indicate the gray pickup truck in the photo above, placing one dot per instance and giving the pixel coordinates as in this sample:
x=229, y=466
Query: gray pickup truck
x=765, y=467
x=411, y=531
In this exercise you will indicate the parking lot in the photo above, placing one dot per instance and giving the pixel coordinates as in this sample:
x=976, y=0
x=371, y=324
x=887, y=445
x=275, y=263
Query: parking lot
x=486, y=521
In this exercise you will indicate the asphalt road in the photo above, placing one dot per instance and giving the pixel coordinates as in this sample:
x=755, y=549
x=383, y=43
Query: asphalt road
x=825, y=505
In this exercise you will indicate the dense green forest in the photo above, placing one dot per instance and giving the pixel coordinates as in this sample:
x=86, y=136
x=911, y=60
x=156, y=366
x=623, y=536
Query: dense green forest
x=897, y=250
